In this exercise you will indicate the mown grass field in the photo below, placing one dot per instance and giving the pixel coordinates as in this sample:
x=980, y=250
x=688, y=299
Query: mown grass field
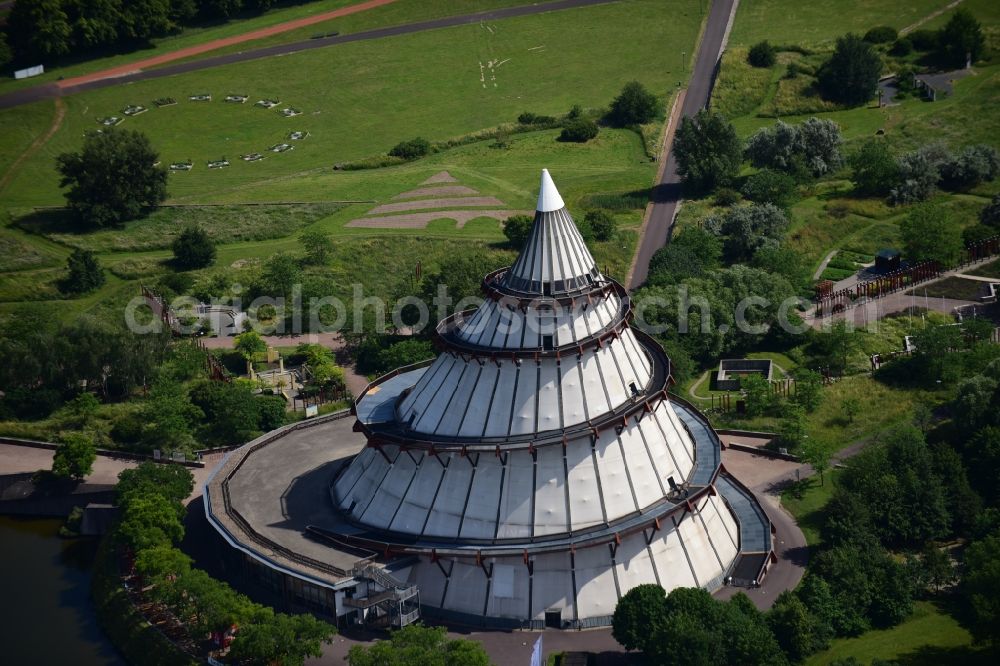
x=398, y=12
x=361, y=99
x=930, y=636
x=358, y=100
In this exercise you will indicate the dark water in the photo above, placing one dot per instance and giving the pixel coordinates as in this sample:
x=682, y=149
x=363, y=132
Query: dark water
x=45, y=612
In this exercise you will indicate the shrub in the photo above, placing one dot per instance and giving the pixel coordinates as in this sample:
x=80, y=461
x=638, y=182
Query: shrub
x=193, y=249
x=882, y=34
x=726, y=196
x=517, y=228
x=768, y=186
x=529, y=118
x=875, y=170
x=412, y=149
x=634, y=106
x=901, y=47
x=810, y=148
x=762, y=54
x=580, y=130
x=924, y=40
x=601, y=224
x=972, y=166
x=83, y=273
x=990, y=214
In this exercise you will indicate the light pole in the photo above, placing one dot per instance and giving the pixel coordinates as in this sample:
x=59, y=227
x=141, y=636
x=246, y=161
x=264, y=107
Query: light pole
x=683, y=53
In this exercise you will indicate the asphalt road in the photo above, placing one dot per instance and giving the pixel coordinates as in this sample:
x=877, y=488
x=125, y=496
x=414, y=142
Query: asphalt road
x=667, y=193
x=51, y=90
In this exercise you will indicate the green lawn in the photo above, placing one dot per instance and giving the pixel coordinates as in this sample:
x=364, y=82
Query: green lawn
x=790, y=21
x=399, y=12
x=991, y=269
x=360, y=99
x=805, y=501
x=927, y=638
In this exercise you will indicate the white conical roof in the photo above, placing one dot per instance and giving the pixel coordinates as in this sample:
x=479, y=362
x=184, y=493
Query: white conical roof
x=548, y=196
x=555, y=259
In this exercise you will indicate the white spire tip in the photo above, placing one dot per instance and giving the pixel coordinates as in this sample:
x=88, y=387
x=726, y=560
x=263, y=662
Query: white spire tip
x=548, y=196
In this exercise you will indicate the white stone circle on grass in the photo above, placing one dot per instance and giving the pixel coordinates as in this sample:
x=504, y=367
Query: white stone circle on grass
x=234, y=98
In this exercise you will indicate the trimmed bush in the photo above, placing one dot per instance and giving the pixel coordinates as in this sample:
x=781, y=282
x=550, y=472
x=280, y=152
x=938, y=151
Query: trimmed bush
x=882, y=34
x=901, y=47
x=412, y=149
x=580, y=130
x=762, y=54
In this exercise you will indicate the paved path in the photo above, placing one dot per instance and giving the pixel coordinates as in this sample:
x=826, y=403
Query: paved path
x=667, y=191
x=823, y=264
x=47, y=91
x=22, y=459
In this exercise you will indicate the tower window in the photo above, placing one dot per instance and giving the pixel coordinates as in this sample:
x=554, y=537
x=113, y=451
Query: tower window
x=547, y=344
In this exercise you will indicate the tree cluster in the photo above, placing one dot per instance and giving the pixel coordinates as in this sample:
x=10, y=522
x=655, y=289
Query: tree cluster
x=916, y=175
x=417, y=644
x=150, y=499
x=40, y=30
x=807, y=150
x=689, y=627
x=851, y=74
x=411, y=149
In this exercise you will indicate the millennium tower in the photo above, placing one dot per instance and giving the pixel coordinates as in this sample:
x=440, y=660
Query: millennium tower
x=538, y=468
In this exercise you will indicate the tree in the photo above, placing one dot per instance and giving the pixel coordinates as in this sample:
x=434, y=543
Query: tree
x=149, y=521
x=173, y=483
x=793, y=627
x=74, y=459
x=851, y=74
x=638, y=615
x=462, y=274
x=792, y=427
x=981, y=587
x=974, y=165
x=169, y=418
x=193, y=249
x=851, y=407
x=707, y=150
x=818, y=457
x=874, y=169
x=231, y=411
x=38, y=30
x=282, y=639
x=929, y=234
x=160, y=565
x=983, y=454
x=281, y=273
x=757, y=393
x=417, y=644
x=220, y=8
x=404, y=353
x=990, y=215
x=808, y=388
x=579, y=130
x=412, y=149
x=83, y=273
x=318, y=247
x=762, y=54
x=602, y=224
x=771, y=187
x=746, y=229
x=113, y=178
x=919, y=172
x=250, y=344
x=517, y=228
x=961, y=39
x=144, y=19
x=634, y=106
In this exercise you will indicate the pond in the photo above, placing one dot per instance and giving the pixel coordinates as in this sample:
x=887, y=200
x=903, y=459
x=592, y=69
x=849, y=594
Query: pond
x=47, y=616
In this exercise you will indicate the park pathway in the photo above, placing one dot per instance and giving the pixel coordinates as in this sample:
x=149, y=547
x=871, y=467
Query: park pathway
x=666, y=197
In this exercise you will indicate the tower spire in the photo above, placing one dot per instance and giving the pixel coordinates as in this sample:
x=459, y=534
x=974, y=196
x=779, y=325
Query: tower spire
x=548, y=196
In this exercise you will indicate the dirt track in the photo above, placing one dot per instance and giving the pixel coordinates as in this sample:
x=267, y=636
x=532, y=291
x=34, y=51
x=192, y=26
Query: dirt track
x=36, y=144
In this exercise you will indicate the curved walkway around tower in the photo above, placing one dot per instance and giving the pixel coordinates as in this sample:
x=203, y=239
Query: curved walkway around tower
x=270, y=498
